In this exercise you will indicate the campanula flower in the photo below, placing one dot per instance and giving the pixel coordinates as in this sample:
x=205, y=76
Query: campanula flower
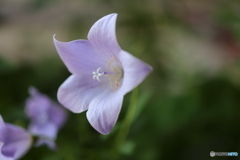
x=46, y=117
x=3, y=157
x=14, y=141
x=102, y=73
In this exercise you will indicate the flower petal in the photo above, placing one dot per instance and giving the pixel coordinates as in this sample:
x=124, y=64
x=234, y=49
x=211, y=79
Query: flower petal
x=104, y=110
x=16, y=140
x=79, y=56
x=2, y=157
x=2, y=124
x=36, y=104
x=77, y=92
x=135, y=71
x=41, y=141
x=57, y=115
x=46, y=116
x=102, y=36
x=48, y=130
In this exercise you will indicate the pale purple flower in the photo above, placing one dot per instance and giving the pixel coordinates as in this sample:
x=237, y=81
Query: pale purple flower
x=102, y=73
x=46, y=117
x=14, y=141
x=3, y=157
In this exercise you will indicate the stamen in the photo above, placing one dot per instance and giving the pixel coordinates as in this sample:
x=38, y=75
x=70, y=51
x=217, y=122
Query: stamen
x=114, y=74
x=98, y=74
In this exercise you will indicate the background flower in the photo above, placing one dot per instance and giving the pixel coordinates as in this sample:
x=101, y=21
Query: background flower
x=3, y=157
x=14, y=141
x=46, y=117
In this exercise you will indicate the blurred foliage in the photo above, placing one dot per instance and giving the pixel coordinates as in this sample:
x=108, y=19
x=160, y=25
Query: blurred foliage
x=187, y=107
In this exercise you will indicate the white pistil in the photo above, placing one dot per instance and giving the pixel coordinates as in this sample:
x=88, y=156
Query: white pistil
x=98, y=74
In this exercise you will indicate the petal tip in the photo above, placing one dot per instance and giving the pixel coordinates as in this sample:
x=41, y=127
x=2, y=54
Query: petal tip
x=54, y=39
x=114, y=14
x=105, y=132
x=57, y=42
x=2, y=124
x=149, y=68
x=103, y=127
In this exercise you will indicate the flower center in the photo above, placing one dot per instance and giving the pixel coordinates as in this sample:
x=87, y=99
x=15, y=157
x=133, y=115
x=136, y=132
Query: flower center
x=114, y=75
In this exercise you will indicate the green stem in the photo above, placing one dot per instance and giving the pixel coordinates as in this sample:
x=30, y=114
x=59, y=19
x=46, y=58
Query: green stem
x=125, y=126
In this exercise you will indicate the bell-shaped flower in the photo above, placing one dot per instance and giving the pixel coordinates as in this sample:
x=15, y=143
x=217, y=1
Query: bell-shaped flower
x=102, y=73
x=14, y=141
x=46, y=117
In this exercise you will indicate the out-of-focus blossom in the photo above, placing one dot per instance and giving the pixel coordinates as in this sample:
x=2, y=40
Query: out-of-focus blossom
x=14, y=141
x=46, y=117
x=3, y=157
x=102, y=73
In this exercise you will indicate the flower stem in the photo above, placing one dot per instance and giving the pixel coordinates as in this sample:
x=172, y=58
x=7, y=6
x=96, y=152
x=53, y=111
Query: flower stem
x=125, y=126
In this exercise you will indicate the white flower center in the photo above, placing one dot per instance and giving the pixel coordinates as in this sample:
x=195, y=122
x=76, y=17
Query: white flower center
x=115, y=75
x=98, y=74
